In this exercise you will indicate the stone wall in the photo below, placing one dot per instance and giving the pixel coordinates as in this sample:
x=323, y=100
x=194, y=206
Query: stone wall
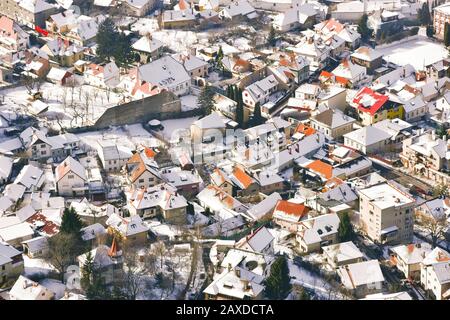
x=161, y=106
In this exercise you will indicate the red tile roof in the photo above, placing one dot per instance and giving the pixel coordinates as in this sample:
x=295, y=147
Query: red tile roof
x=291, y=208
x=378, y=100
x=322, y=168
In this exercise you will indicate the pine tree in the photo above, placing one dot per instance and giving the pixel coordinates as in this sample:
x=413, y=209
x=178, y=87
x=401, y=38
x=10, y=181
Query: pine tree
x=71, y=222
x=271, y=39
x=87, y=271
x=363, y=29
x=446, y=34
x=205, y=100
x=424, y=15
x=105, y=39
x=219, y=58
x=112, y=44
x=345, y=231
x=278, y=284
x=257, y=118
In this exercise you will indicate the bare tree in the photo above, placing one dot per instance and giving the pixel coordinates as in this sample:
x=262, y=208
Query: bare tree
x=63, y=248
x=435, y=225
x=160, y=250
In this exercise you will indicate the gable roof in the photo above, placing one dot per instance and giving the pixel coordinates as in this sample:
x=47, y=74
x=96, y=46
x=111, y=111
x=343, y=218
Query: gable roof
x=70, y=165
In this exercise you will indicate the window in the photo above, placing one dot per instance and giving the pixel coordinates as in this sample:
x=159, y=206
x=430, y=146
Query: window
x=70, y=176
x=141, y=180
x=43, y=152
x=42, y=146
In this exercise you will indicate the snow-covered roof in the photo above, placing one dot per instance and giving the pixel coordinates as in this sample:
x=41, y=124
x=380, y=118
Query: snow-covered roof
x=70, y=165
x=385, y=195
x=361, y=273
x=342, y=252
x=127, y=226
x=165, y=72
x=147, y=44
x=16, y=231
x=26, y=289
x=368, y=135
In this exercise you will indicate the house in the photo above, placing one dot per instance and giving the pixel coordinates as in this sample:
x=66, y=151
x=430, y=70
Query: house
x=368, y=140
x=160, y=200
x=142, y=169
x=30, y=13
x=425, y=154
x=62, y=53
x=31, y=177
x=435, y=208
x=385, y=22
x=36, y=247
x=177, y=19
x=166, y=73
x=362, y=277
x=15, y=234
x=107, y=76
x=112, y=156
x=291, y=63
x=440, y=17
x=332, y=123
x=288, y=214
x=107, y=260
x=70, y=178
x=373, y=106
x=26, y=289
x=195, y=67
x=415, y=109
x=208, y=129
x=148, y=48
x=84, y=33
x=387, y=213
x=313, y=233
x=130, y=230
x=138, y=8
x=403, y=295
x=220, y=179
x=12, y=36
x=435, y=273
x=341, y=254
x=238, y=9
x=240, y=276
x=352, y=74
x=269, y=181
x=58, y=76
x=258, y=241
x=264, y=209
x=368, y=58
x=11, y=263
x=244, y=184
x=6, y=165
x=408, y=258
x=187, y=182
x=259, y=92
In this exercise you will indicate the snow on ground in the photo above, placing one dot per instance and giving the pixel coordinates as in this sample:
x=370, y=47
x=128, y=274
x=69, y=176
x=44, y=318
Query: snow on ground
x=129, y=136
x=308, y=280
x=189, y=102
x=90, y=101
x=145, y=25
x=418, y=52
x=178, y=40
x=34, y=266
x=174, y=125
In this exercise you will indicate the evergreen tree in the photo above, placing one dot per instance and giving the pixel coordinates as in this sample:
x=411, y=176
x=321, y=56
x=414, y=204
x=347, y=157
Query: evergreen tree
x=363, y=29
x=272, y=38
x=113, y=45
x=219, y=58
x=87, y=271
x=446, y=34
x=257, y=118
x=424, y=15
x=71, y=222
x=345, y=231
x=230, y=91
x=205, y=100
x=106, y=36
x=278, y=284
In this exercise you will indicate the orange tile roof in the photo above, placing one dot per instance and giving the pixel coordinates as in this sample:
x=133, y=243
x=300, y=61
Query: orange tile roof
x=306, y=130
x=291, y=208
x=322, y=168
x=149, y=153
x=242, y=176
